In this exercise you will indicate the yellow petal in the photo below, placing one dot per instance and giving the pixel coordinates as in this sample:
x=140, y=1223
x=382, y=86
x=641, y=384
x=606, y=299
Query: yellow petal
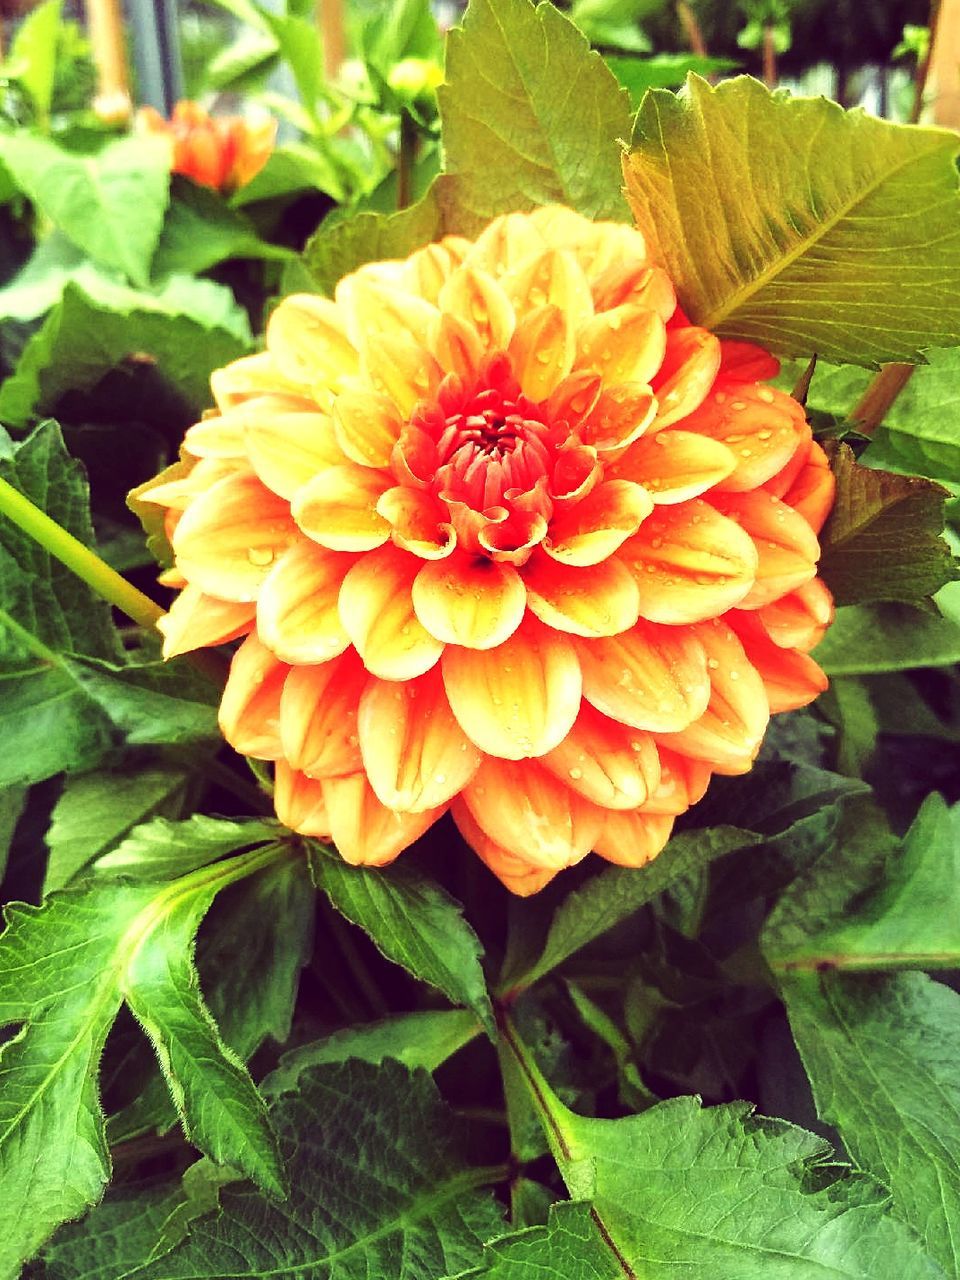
x=674, y=466
x=760, y=425
x=367, y=426
x=249, y=376
x=286, y=450
x=625, y=344
x=318, y=716
x=542, y=351
x=230, y=536
x=458, y=348
x=195, y=620
x=401, y=369
x=415, y=754
x=633, y=839
x=690, y=365
x=366, y=833
x=519, y=699
x=250, y=705
x=601, y=600
x=470, y=601
x=610, y=764
x=298, y=801
x=418, y=522
x=376, y=609
x=379, y=308
x=307, y=338
x=338, y=508
x=592, y=529
x=649, y=678
x=475, y=296
x=520, y=877
x=297, y=612
x=619, y=416
x=553, y=276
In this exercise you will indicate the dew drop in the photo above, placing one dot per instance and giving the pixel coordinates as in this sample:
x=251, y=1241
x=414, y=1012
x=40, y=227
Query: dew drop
x=764, y=435
x=712, y=663
x=576, y=774
x=766, y=395
x=260, y=556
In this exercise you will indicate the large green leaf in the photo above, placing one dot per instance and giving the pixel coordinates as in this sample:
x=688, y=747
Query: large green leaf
x=85, y=336
x=882, y=540
x=569, y=1246
x=881, y=1054
x=791, y=223
x=413, y=922
x=110, y=204
x=379, y=1187
x=201, y=230
x=869, y=639
x=33, y=54
x=710, y=1192
x=65, y=969
x=530, y=115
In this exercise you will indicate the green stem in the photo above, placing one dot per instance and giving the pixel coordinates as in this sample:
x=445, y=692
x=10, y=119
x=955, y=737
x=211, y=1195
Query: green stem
x=106, y=582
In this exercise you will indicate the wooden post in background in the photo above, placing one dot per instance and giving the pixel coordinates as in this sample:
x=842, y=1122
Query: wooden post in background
x=943, y=69
x=330, y=22
x=105, y=27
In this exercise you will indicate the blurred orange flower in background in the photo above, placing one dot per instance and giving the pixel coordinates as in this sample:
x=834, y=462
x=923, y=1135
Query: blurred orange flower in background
x=504, y=534
x=222, y=152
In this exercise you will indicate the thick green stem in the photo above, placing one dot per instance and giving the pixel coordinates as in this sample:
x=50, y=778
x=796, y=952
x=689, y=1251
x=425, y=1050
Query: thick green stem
x=106, y=582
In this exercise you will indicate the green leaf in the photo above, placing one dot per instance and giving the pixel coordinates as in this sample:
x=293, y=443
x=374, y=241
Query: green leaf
x=791, y=223
x=412, y=921
x=530, y=115
x=882, y=540
x=152, y=702
x=113, y=1240
x=719, y=1191
x=83, y=338
x=614, y=894
x=869, y=639
x=569, y=1247
x=291, y=169
x=163, y=850
x=110, y=204
x=663, y=71
x=40, y=283
x=33, y=54
x=65, y=969
x=873, y=901
x=379, y=1187
x=96, y=810
x=425, y=1039
x=201, y=230
x=881, y=1054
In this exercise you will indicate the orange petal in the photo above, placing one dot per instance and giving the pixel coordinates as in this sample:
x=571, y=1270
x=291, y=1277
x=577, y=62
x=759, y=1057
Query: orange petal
x=615, y=767
x=674, y=466
x=307, y=338
x=553, y=276
x=728, y=734
x=298, y=801
x=595, y=527
x=574, y=399
x=602, y=600
x=688, y=371
x=683, y=782
x=619, y=415
x=744, y=362
x=250, y=706
x=514, y=873
x=297, y=614
x=286, y=450
x=791, y=679
x=542, y=351
x=624, y=344
x=528, y=812
x=196, y=619
x=760, y=425
x=414, y=751
x=366, y=833
x=633, y=839
x=401, y=369
x=690, y=563
x=813, y=492
x=469, y=601
x=418, y=522
x=649, y=678
x=475, y=296
x=229, y=537
x=787, y=547
x=376, y=609
x=338, y=508
x=519, y=699
x=630, y=279
x=318, y=716
x=799, y=619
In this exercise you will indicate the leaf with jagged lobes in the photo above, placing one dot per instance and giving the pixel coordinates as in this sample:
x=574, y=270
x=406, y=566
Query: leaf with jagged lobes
x=882, y=541
x=797, y=225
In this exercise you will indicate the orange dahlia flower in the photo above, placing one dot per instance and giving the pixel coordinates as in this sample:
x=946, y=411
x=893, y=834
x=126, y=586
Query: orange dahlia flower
x=222, y=152
x=504, y=534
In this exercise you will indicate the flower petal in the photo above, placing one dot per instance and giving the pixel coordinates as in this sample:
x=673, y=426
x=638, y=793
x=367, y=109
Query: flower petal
x=728, y=734
x=608, y=763
x=528, y=812
x=813, y=491
x=475, y=296
x=415, y=754
x=553, y=276
x=595, y=527
x=761, y=426
x=401, y=369
x=541, y=351
x=690, y=563
x=195, y=620
x=688, y=371
x=619, y=415
x=318, y=716
x=799, y=619
x=228, y=537
x=467, y=600
x=649, y=677
x=250, y=706
x=367, y=426
x=791, y=679
x=633, y=839
x=297, y=614
x=624, y=344
x=376, y=609
x=787, y=548
x=418, y=522
x=674, y=466
x=307, y=338
x=298, y=801
x=338, y=508
x=519, y=699
x=520, y=877
x=683, y=782
x=601, y=600
x=249, y=376
x=366, y=833
x=288, y=449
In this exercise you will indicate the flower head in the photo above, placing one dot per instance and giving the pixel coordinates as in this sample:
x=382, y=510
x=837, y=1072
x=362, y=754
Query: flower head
x=504, y=534
x=222, y=152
